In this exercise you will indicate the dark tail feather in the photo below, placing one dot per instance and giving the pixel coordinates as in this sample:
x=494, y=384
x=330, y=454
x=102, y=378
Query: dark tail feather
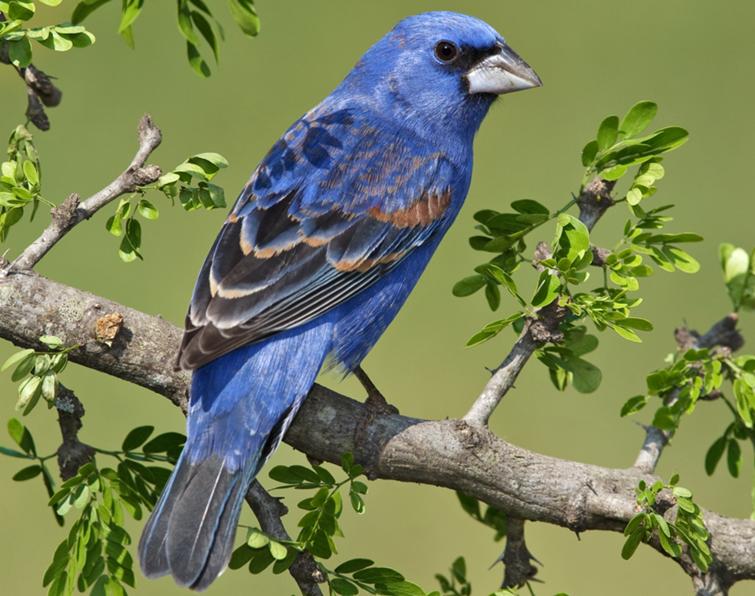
x=191, y=532
x=238, y=414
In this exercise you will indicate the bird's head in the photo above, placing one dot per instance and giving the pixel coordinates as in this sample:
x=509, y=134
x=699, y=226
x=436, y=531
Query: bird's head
x=441, y=68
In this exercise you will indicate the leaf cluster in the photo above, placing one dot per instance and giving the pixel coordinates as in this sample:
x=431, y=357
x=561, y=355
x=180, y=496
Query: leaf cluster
x=319, y=526
x=196, y=23
x=564, y=265
x=20, y=180
x=681, y=526
x=189, y=182
x=18, y=37
x=37, y=372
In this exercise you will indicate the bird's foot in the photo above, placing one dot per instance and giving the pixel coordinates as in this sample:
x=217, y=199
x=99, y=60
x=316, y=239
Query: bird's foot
x=375, y=402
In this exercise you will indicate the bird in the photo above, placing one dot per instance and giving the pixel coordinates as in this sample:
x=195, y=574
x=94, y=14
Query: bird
x=319, y=252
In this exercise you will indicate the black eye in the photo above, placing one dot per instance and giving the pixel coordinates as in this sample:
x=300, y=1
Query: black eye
x=446, y=51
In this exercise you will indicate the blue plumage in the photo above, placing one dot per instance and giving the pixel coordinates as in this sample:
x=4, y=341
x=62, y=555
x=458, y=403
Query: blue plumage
x=321, y=249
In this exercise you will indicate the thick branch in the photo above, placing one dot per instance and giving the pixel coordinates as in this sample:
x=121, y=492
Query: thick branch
x=447, y=453
x=72, y=211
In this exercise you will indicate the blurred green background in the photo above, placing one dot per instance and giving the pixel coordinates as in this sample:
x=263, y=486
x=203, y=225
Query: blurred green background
x=595, y=57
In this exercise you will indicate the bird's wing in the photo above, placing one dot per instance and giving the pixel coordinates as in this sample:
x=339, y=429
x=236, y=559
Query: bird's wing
x=335, y=204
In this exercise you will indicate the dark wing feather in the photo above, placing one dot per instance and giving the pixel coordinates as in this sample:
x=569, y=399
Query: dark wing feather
x=335, y=205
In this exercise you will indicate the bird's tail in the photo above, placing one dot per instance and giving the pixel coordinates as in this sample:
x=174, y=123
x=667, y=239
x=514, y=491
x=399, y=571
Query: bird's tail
x=241, y=405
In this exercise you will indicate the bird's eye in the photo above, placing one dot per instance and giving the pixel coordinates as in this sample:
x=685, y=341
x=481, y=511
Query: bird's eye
x=446, y=51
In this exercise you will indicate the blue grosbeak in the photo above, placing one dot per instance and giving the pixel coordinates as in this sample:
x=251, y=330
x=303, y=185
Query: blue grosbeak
x=321, y=249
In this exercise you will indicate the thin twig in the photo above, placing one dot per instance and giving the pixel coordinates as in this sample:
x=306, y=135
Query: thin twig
x=72, y=211
x=593, y=202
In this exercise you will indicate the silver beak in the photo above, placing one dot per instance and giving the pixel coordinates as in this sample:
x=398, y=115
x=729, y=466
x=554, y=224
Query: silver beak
x=503, y=72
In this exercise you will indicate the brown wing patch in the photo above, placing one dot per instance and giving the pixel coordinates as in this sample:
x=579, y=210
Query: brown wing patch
x=362, y=265
x=421, y=212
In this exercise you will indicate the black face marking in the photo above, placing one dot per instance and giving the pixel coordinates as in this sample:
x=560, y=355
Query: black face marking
x=468, y=56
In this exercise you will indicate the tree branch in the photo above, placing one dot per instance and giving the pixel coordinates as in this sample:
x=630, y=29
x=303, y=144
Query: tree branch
x=447, y=453
x=72, y=211
x=72, y=453
x=516, y=557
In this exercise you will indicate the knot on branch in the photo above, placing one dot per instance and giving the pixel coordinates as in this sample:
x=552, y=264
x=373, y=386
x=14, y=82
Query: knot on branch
x=65, y=213
x=594, y=200
x=471, y=436
x=143, y=176
x=599, y=255
x=546, y=328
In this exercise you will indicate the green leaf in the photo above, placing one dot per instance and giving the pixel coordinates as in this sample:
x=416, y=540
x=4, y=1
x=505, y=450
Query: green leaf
x=492, y=329
x=353, y=565
x=589, y=152
x=378, y=575
x=638, y=118
x=530, y=207
x=586, y=376
x=205, y=30
x=257, y=539
x=625, y=332
x=241, y=556
x=129, y=14
x=27, y=473
x=245, y=16
x=734, y=457
x=20, y=10
x=744, y=398
x=636, y=323
x=342, y=586
x=136, y=437
x=17, y=358
x=714, y=454
x=401, y=588
x=277, y=550
x=634, y=405
x=468, y=285
x=197, y=62
x=19, y=52
x=51, y=341
x=21, y=435
x=85, y=8
x=548, y=289
x=608, y=132
x=493, y=296
x=147, y=210
x=631, y=544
